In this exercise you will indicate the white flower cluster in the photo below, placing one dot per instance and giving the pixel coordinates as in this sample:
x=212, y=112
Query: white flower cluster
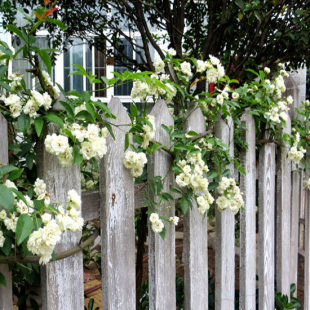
x=16, y=105
x=193, y=177
x=307, y=184
x=157, y=223
x=295, y=154
x=135, y=162
x=149, y=132
x=279, y=111
x=43, y=241
x=92, y=139
x=230, y=196
x=16, y=85
x=143, y=90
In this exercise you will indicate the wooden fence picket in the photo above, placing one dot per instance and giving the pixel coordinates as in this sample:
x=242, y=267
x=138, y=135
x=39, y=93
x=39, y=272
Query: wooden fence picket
x=283, y=214
x=295, y=202
x=266, y=210
x=248, y=218
x=61, y=281
x=195, y=240
x=225, y=233
x=162, y=293
x=6, y=293
x=307, y=243
x=117, y=219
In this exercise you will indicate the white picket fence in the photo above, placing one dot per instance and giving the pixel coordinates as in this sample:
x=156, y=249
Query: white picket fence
x=279, y=198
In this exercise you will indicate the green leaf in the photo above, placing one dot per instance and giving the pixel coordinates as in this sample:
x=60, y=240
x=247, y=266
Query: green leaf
x=6, y=198
x=126, y=141
x=193, y=133
x=2, y=279
x=240, y=4
x=38, y=125
x=39, y=204
x=23, y=228
x=15, y=174
x=212, y=185
x=18, y=194
x=7, y=246
x=163, y=233
x=5, y=86
x=90, y=108
x=212, y=174
x=3, y=69
x=34, y=304
x=57, y=22
x=68, y=107
x=7, y=169
x=178, y=134
x=54, y=118
x=77, y=156
x=184, y=205
x=175, y=190
x=29, y=160
x=23, y=122
x=14, y=29
x=83, y=115
x=133, y=110
x=47, y=60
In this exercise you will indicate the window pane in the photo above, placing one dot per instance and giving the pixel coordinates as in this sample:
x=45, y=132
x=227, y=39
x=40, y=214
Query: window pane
x=100, y=70
x=74, y=55
x=20, y=65
x=141, y=57
x=89, y=63
x=119, y=66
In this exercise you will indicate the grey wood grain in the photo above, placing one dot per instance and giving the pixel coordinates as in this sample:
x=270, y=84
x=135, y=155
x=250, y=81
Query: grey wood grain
x=195, y=252
x=162, y=252
x=91, y=205
x=225, y=233
x=307, y=243
x=295, y=203
x=248, y=217
x=6, y=293
x=117, y=219
x=266, y=210
x=283, y=216
x=61, y=281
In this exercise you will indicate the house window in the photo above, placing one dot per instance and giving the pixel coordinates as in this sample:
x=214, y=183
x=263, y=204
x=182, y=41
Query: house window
x=88, y=57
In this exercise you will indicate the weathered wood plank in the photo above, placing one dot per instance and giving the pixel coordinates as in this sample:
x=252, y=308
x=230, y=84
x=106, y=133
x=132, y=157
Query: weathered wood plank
x=248, y=218
x=162, y=252
x=61, y=281
x=195, y=252
x=266, y=210
x=225, y=233
x=295, y=202
x=91, y=205
x=117, y=220
x=6, y=293
x=283, y=214
x=307, y=243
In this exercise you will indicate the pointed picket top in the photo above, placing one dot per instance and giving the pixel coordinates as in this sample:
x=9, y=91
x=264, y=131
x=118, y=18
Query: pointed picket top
x=283, y=215
x=248, y=217
x=117, y=219
x=6, y=293
x=195, y=252
x=57, y=106
x=162, y=252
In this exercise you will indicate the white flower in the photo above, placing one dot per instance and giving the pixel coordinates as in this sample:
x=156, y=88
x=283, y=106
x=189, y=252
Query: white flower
x=10, y=184
x=130, y=160
x=11, y=222
x=21, y=207
x=154, y=217
x=235, y=95
x=74, y=199
x=220, y=99
x=186, y=68
x=56, y=91
x=172, y=52
x=104, y=132
x=182, y=180
x=307, y=184
x=2, y=239
x=200, y=66
x=267, y=70
x=37, y=97
x=47, y=78
x=46, y=217
x=92, y=132
x=289, y=99
x=39, y=187
x=47, y=101
x=66, y=158
x=157, y=226
x=3, y=215
x=174, y=220
x=56, y=144
x=31, y=107
x=158, y=64
x=222, y=203
x=136, y=171
x=51, y=233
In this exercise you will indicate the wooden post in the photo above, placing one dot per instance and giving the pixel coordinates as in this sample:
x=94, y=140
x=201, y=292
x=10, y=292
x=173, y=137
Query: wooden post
x=248, y=218
x=117, y=219
x=295, y=201
x=225, y=233
x=6, y=293
x=307, y=243
x=283, y=210
x=266, y=210
x=162, y=252
x=195, y=237
x=61, y=281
